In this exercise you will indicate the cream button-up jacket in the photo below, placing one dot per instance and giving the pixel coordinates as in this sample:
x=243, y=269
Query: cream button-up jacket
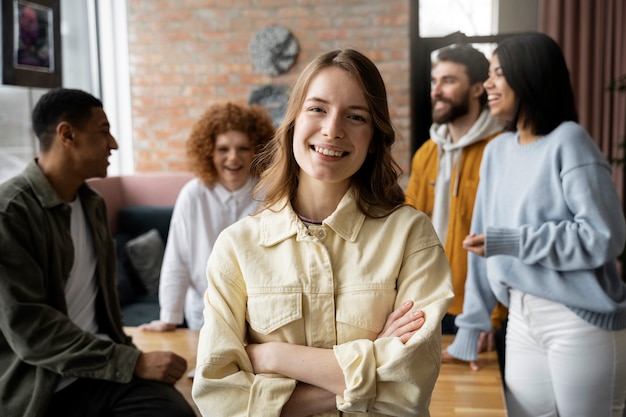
x=270, y=278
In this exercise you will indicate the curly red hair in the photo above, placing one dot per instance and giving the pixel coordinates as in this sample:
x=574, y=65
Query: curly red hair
x=220, y=118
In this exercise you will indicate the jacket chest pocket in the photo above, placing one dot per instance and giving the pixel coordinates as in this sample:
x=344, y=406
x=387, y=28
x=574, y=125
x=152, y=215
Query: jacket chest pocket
x=276, y=317
x=362, y=314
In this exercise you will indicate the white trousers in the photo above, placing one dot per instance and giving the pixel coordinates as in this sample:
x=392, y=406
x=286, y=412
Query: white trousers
x=558, y=365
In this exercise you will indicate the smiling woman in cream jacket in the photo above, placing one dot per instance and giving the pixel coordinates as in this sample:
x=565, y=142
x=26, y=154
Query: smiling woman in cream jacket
x=329, y=301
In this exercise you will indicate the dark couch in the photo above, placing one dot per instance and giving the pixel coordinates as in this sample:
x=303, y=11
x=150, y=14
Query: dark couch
x=139, y=208
x=139, y=303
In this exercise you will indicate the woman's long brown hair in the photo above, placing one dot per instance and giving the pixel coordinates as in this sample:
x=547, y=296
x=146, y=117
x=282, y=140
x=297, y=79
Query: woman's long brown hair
x=376, y=182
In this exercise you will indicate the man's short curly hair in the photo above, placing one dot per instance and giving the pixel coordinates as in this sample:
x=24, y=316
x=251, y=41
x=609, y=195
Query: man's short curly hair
x=253, y=120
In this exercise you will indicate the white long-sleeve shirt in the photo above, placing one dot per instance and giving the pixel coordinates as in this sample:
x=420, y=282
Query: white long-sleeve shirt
x=200, y=214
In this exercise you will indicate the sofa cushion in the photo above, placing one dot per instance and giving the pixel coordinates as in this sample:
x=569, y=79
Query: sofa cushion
x=145, y=253
x=134, y=221
x=129, y=286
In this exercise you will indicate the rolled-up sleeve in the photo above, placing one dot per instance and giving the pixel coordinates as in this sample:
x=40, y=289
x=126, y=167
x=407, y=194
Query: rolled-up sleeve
x=387, y=376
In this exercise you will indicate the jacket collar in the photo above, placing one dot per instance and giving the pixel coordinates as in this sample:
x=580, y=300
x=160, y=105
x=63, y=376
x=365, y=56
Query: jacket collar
x=44, y=192
x=47, y=195
x=278, y=224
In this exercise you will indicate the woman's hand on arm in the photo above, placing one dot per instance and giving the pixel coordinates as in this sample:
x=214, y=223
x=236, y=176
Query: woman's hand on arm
x=402, y=323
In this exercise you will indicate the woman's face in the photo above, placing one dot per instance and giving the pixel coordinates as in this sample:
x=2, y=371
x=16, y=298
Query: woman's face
x=501, y=98
x=232, y=157
x=333, y=130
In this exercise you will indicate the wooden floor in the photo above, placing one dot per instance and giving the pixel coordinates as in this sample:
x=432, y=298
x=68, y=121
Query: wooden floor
x=459, y=392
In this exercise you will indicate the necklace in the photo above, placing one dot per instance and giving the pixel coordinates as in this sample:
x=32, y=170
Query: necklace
x=309, y=222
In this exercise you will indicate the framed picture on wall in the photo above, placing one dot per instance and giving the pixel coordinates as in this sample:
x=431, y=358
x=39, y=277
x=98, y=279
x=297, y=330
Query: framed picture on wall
x=31, y=43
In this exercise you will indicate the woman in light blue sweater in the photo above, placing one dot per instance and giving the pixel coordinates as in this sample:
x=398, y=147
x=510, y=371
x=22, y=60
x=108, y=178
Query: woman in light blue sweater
x=547, y=229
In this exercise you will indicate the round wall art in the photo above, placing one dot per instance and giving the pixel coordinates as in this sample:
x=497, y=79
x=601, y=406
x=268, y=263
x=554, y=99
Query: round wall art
x=273, y=50
x=274, y=98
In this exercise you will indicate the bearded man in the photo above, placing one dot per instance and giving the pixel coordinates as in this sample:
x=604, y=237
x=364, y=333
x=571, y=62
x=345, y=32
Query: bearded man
x=445, y=169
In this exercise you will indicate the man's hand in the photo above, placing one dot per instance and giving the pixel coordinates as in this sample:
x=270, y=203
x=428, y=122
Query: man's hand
x=165, y=367
x=158, y=326
x=400, y=323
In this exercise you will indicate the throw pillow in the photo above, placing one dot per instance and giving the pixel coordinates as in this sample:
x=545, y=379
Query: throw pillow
x=145, y=253
x=129, y=286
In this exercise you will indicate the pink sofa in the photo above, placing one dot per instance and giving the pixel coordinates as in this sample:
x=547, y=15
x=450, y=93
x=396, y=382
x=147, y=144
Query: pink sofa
x=145, y=189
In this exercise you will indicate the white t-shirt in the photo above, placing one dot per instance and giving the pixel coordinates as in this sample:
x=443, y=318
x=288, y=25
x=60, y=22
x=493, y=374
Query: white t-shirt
x=200, y=214
x=81, y=288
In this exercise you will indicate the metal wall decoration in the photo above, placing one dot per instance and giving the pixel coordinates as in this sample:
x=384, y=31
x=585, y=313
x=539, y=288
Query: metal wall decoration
x=273, y=50
x=31, y=43
x=274, y=98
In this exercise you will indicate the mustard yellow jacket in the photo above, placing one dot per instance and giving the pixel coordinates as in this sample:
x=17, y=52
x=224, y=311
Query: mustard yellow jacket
x=420, y=194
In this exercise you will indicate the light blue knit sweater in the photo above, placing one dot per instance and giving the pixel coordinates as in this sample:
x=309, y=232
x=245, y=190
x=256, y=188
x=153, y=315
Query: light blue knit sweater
x=554, y=228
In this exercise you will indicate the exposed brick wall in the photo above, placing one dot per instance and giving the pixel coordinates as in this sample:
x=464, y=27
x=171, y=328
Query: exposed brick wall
x=188, y=54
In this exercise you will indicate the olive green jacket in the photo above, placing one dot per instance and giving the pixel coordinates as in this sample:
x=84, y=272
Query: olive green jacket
x=38, y=342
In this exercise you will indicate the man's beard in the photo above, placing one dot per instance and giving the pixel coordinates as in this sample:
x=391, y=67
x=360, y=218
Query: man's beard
x=455, y=111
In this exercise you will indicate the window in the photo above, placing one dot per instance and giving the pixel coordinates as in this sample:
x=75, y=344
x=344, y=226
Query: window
x=17, y=143
x=439, y=23
x=83, y=49
x=469, y=17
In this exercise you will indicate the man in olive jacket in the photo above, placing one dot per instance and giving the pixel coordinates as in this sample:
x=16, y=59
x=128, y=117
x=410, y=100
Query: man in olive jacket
x=63, y=350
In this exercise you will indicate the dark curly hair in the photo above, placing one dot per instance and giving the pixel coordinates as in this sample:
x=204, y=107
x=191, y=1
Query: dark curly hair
x=220, y=118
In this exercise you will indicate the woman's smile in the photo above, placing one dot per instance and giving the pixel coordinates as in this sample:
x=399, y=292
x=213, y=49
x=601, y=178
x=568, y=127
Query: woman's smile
x=333, y=131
